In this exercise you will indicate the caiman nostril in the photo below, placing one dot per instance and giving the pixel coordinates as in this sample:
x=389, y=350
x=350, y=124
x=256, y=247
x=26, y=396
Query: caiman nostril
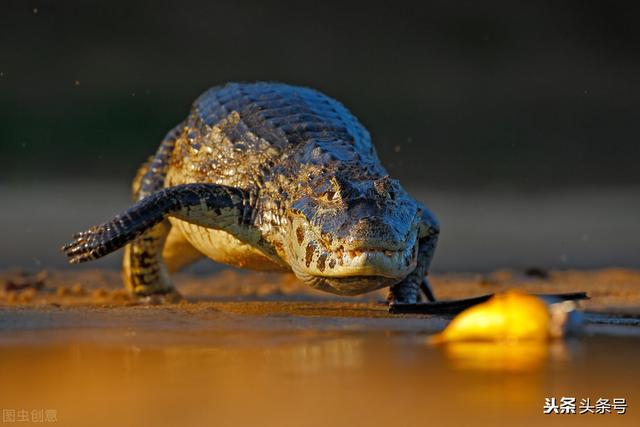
x=376, y=234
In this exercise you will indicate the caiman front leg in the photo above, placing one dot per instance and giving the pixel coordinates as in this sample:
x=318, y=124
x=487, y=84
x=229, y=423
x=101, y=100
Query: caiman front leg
x=207, y=205
x=144, y=271
x=408, y=291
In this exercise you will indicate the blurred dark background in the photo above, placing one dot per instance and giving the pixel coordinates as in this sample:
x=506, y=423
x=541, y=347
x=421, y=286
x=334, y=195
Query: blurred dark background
x=456, y=94
x=516, y=122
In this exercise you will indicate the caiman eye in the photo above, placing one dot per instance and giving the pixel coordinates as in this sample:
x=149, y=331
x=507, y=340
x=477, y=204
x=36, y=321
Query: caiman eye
x=332, y=190
x=330, y=195
x=386, y=187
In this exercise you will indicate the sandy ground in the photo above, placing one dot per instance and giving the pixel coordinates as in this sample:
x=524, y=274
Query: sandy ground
x=58, y=298
x=259, y=349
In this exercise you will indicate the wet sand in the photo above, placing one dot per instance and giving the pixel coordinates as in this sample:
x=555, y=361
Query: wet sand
x=613, y=291
x=261, y=349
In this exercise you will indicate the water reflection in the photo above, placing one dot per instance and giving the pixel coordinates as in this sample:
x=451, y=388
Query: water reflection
x=520, y=356
x=314, y=357
x=303, y=378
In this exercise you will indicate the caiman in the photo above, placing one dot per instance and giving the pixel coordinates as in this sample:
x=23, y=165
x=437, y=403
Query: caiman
x=270, y=177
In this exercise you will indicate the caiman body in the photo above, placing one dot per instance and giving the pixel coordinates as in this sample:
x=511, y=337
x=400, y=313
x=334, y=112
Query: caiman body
x=270, y=177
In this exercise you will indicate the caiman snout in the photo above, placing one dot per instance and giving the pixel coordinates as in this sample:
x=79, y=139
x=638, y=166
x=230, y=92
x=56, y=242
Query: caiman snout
x=371, y=248
x=353, y=234
x=375, y=234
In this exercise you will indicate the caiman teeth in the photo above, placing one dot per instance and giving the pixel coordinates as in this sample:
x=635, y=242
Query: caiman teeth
x=356, y=252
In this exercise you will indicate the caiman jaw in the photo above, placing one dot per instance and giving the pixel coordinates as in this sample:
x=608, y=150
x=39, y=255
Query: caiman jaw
x=349, y=271
x=371, y=262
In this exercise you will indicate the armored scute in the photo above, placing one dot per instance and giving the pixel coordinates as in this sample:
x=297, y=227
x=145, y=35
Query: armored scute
x=270, y=177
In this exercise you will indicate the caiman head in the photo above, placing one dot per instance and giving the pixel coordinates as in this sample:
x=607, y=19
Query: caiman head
x=351, y=230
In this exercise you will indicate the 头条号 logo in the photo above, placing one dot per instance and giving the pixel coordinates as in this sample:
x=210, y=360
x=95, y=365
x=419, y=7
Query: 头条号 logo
x=571, y=405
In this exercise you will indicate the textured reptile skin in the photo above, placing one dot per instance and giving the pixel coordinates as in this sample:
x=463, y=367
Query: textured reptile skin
x=315, y=196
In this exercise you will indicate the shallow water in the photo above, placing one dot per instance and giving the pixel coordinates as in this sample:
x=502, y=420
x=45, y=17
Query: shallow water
x=302, y=377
